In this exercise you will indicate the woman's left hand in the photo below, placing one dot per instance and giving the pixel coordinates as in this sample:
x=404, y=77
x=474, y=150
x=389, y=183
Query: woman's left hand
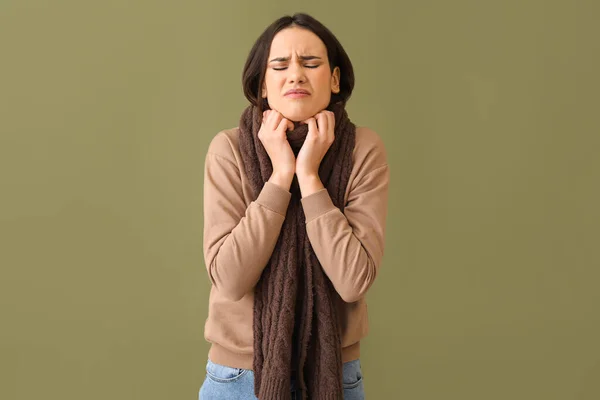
x=319, y=139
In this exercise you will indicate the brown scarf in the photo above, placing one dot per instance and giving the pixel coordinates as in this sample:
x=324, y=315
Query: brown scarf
x=295, y=323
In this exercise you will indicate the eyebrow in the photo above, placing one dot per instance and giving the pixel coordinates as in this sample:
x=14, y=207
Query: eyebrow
x=301, y=57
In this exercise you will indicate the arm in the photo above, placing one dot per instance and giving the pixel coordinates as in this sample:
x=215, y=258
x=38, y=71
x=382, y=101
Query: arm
x=238, y=240
x=350, y=245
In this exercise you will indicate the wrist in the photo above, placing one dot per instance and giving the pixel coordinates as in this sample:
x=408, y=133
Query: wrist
x=309, y=184
x=307, y=176
x=282, y=179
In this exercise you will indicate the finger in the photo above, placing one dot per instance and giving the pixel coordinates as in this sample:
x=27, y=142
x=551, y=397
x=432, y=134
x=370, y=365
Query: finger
x=283, y=125
x=331, y=123
x=286, y=124
x=331, y=119
x=322, y=123
x=264, y=118
x=312, y=126
x=267, y=117
x=275, y=119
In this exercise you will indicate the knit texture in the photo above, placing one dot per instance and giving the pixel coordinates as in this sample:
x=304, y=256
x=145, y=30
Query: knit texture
x=295, y=326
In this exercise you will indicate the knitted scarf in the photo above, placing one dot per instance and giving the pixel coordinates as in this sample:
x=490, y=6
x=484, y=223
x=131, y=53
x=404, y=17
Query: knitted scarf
x=296, y=329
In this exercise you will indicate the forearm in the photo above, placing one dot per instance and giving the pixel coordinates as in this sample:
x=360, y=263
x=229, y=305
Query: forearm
x=341, y=254
x=236, y=256
x=350, y=244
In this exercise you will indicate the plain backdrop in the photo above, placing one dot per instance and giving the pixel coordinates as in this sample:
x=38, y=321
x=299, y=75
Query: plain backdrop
x=489, y=111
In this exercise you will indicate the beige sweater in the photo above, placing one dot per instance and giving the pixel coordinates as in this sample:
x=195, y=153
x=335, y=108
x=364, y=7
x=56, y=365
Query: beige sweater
x=240, y=235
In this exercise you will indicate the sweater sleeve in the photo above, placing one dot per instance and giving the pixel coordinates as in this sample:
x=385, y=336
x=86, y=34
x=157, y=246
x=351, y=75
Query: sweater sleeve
x=350, y=245
x=238, y=240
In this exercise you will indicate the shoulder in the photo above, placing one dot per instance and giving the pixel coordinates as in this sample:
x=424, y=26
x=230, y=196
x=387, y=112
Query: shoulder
x=225, y=144
x=369, y=150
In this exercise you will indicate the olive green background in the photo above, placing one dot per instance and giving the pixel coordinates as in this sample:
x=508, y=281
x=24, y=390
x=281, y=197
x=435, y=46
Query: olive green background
x=489, y=287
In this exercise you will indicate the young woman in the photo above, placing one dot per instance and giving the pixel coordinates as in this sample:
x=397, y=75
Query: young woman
x=295, y=203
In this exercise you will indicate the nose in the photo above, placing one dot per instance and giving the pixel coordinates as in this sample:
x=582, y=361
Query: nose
x=296, y=73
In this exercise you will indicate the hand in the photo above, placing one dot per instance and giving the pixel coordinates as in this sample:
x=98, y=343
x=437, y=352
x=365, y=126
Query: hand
x=272, y=134
x=319, y=139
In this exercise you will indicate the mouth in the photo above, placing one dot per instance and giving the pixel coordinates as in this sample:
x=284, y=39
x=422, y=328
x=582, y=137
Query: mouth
x=297, y=93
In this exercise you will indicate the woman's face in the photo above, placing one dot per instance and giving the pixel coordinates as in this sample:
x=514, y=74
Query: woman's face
x=298, y=60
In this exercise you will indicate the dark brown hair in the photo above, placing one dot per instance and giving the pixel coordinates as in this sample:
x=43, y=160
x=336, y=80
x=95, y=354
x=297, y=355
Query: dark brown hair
x=256, y=63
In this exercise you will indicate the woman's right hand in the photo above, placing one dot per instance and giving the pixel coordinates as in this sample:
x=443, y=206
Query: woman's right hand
x=273, y=136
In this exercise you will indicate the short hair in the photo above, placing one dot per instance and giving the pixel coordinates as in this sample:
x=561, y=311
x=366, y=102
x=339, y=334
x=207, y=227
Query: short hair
x=256, y=64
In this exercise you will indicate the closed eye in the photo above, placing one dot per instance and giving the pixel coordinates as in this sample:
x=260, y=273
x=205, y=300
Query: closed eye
x=307, y=66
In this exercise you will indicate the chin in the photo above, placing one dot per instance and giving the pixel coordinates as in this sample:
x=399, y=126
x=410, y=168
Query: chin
x=298, y=115
x=297, y=111
x=299, y=118
x=294, y=117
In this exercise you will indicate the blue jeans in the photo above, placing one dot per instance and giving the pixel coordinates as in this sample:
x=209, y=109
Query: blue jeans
x=226, y=383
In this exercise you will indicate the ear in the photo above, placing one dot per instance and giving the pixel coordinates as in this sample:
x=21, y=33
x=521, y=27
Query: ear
x=335, y=80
